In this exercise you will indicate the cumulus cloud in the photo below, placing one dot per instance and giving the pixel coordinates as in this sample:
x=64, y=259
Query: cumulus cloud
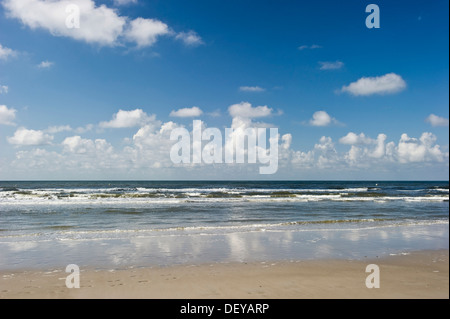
x=150, y=135
x=45, y=64
x=365, y=150
x=80, y=157
x=6, y=53
x=147, y=152
x=370, y=152
x=151, y=146
x=386, y=84
x=145, y=31
x=310, y=47
x=380, y=149
x=23, y=137
x=124, y=119
x=58, y=129
x=245, y=110
x=353, y=139
x=435, y=120
x=411, y=149
x=251, y=89
x=7, y=116
x=190, y=38
x=331, y=65
x=215, y=113
x=84, y=129
x=67, y=128
x=3, y=89
x=322, y=118
x=76, y=144
x=187, y=112
x=98, y=24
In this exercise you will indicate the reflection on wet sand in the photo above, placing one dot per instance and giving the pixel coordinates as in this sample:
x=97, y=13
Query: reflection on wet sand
x=188, y=248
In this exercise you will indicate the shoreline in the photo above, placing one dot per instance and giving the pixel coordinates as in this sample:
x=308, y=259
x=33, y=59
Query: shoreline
x=418, y=274
x=181, y=248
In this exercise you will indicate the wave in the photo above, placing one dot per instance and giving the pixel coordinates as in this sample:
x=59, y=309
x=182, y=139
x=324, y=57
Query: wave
x=338, y=221
x=444, y=190
x=126, y=194
x=59, y=227
x=159, y=198
x=8, y=189
x=63, y=233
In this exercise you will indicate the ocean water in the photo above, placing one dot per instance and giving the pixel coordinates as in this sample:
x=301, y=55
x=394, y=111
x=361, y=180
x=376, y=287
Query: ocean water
x=134, y=223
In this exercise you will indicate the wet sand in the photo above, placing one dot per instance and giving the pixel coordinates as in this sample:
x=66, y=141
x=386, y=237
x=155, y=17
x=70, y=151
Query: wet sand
x=421, y=274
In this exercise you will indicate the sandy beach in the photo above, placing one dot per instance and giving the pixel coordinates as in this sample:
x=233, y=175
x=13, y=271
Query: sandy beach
x=421, y=274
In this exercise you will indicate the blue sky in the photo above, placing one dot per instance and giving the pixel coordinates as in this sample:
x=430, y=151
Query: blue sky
x=335, y=89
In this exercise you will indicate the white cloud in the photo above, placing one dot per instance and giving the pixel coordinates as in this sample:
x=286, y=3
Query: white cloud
x=364, y=150
x=251, y=89
x=150, y=135
x=79, y=158
x=24, y=137
x=187, y=112
x=408, y=150
x=124, y=119
x=215, y=113
x=313, y=46
x=5, y=53
x=78, y=145
x=151, y=146
x=146, y=31
x=190, y=38
x=380, y=149
x=353, y=139
x=84, y=129
x=325, y=145
x=45, y=64
x=325, y=152
x=147, y=152
x=387, y=84
x=331, y=65
x=245, y=110
x=58, y=129
x=435, y=120
x=322, y=118
x=67, y=128
x=98, y=24
x=7, y=115
x=419, y=150
x=286, y=140
x=3, y=89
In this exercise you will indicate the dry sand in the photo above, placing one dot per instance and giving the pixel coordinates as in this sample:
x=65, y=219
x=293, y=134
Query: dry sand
x=422, y=274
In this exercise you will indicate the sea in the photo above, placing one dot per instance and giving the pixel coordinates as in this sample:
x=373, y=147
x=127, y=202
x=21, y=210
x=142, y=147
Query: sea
x=127, y=224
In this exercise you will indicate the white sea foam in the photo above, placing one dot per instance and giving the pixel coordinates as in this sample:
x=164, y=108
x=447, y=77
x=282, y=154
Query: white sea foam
x=22, y=242
x=100, y=199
